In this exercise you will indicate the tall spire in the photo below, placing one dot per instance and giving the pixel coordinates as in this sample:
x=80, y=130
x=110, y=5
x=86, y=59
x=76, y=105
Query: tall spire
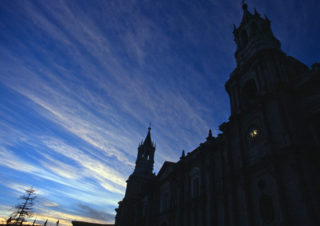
x=210, y=137
x=145, y=157
x=147, y=140
x=244, y=5
x=246, y=13
x=183, y=155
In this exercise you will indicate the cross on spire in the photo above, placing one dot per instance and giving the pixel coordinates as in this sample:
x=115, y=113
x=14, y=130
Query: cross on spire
x=244, y=4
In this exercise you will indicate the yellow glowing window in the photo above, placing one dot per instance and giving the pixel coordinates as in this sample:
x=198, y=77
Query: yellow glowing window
x=254, y=133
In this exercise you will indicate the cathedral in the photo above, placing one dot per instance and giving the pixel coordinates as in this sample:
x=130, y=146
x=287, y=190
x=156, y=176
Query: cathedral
x=262, y=169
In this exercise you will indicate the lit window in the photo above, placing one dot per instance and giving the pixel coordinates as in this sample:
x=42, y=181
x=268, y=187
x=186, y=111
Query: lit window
x=253, y=134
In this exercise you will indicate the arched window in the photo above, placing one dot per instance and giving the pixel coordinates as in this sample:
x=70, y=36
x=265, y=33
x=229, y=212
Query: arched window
x=166, y=200
x=250, y=90
x=266, y=209
x=244, y=37
x=195, y=187
x=144, y=206
x=254, y=28
x=164, y=204
x=195, y=182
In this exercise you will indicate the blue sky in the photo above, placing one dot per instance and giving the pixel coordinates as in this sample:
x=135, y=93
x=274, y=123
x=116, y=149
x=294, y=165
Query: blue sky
x=81, y=80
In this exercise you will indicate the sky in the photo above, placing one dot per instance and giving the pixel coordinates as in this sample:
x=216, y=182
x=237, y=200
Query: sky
x=80, y=81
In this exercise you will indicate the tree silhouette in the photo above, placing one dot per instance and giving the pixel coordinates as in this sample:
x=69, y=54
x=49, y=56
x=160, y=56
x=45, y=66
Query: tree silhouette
x=23, y=210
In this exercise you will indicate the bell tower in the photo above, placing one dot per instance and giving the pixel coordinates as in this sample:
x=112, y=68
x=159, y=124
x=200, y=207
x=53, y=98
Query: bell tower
x=143, y=169
x=145, y=157
x=263, y=69
x=130, y=207
x=253, y=35
x=267, y=132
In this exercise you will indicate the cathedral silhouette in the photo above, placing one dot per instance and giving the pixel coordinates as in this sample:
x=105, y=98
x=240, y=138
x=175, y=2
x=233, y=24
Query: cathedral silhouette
x=263, y=169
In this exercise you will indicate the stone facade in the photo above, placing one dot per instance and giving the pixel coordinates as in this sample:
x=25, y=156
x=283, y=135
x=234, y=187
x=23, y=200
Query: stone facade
x=263, y=169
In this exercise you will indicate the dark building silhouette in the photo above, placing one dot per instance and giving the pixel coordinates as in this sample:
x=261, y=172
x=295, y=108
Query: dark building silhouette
x=82, y=223
x=263, y=169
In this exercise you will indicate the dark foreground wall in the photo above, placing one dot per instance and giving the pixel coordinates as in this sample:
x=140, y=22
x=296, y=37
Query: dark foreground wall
x=81, y=223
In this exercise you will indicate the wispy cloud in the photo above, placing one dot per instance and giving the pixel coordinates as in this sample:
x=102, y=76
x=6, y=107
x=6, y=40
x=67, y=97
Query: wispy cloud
x=94, y=168
x=161, y=105
x=79, y=83
x=92, y=95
